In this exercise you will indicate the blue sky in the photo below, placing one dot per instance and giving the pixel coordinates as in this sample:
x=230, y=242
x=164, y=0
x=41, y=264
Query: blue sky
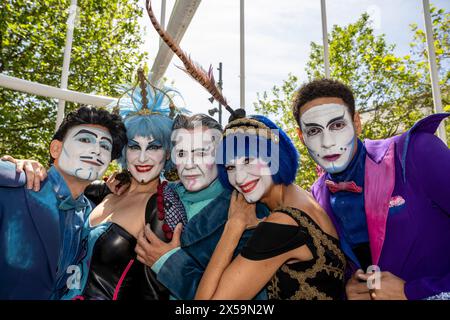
x=278, y=37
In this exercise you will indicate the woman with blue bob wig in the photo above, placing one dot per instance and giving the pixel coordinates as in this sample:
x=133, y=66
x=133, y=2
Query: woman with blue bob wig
x=241, y=144
x=294, y=253
x=110, y=268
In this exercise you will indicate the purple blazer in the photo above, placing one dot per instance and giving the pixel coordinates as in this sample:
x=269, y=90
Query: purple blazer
x=407, y=204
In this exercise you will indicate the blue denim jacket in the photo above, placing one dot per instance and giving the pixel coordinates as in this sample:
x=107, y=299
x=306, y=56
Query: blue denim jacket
x=38, y=239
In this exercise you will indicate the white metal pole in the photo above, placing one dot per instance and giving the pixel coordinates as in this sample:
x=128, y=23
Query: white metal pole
x=326, y=54
x=181, y=16
x=163, y=17
x=53, y=92
x=433, y=68
x=66, y=62
x=242, y=37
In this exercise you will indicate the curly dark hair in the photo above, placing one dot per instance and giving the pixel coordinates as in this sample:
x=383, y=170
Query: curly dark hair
x=319, y=89
x=92, y=115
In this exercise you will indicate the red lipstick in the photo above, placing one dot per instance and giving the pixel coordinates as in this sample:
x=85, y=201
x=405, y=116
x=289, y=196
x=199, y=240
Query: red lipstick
x=145, y=168
x=249, y=186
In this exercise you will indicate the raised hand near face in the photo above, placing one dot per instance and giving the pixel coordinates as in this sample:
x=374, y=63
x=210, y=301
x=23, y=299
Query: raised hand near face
x=242, y=212
x=117, y=184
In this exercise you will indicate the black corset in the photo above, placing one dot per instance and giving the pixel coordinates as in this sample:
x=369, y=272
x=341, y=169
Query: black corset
x=114, y=271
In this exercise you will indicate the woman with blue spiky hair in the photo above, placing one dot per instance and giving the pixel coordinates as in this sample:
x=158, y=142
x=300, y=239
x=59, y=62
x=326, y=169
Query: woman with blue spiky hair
x=294, y=253
x=109, y=269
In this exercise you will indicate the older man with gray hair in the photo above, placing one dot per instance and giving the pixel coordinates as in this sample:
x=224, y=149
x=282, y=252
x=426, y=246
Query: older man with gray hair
x=180, y=264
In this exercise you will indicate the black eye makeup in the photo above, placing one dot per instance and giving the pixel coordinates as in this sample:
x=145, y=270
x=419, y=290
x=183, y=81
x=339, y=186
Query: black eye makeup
x=106, y=146
x=84, y=140
x=313, y=131
x=154, y=146
x=134, y=146
x=338, y=125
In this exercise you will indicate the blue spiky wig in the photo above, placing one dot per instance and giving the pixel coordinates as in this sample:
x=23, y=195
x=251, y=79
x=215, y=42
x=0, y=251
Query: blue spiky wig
x=146, y=111
x=258, y=137
x=157, y=126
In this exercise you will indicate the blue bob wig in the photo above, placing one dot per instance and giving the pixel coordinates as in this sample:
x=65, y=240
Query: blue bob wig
x=274, y=147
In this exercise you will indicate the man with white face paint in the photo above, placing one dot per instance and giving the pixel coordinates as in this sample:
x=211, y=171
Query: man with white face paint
x=329, y=136
x=206, y=201
x=86, y=152
x=40, y=230
x=194, y=155
x=379, y=194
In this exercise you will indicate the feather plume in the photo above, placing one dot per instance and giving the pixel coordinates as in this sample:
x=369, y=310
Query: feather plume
x=196, y=71
x=144, y=98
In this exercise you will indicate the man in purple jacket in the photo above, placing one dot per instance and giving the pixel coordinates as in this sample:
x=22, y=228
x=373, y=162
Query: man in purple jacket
x=389, y=199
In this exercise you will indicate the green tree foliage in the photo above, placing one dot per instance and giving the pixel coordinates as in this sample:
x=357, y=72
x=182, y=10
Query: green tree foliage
x=391, y=92
x=106, y=50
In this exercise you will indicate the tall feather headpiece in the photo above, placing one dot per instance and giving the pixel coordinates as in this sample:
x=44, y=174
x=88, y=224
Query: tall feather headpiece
x=196, y=71
x=144, y=98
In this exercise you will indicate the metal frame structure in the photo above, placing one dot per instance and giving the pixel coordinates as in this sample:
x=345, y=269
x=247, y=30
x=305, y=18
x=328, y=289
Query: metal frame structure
x=436, y=90
x=242, y=53
x=182, y=13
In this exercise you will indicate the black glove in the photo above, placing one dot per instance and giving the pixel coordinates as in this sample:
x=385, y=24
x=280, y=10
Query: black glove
x=97, y=191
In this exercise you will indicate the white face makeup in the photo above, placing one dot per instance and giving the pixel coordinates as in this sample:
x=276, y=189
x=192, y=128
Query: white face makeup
x=145, y=158
x=329, y=135
x=86, y=152
x=251, y=177
x=194, y=158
